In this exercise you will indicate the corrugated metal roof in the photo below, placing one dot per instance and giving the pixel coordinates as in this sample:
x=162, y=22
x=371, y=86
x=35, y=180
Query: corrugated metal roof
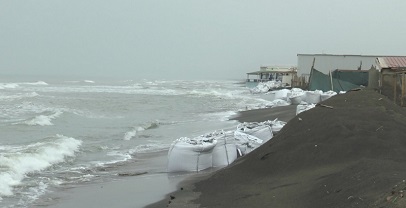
x=392, y=62
x=269, y=72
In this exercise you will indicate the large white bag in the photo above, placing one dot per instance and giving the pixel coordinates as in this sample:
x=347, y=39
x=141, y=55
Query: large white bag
x=225, y=151
x=249, y=136
x=190, y=154
x=313, y=96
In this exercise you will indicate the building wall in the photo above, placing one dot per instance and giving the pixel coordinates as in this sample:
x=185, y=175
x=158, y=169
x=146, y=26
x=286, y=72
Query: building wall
x=328, y=62
x=287, y=79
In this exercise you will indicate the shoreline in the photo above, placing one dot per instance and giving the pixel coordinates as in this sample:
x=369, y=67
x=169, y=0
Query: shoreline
x=185, y=193
x=282, y=113
x=155, y=187
x=135, y=187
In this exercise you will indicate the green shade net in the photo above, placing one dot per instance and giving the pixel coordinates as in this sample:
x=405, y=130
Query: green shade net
x=355, y=77
x=320, y=81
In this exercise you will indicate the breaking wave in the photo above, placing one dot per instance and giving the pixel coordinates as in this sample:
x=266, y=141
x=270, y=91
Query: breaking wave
x=18, y=161
x=8, y=86
x=44, y=120
x=133, y=132
x=41, y=83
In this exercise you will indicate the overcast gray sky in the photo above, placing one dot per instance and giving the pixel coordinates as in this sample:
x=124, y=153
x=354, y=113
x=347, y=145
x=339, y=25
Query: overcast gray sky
x=189, y=39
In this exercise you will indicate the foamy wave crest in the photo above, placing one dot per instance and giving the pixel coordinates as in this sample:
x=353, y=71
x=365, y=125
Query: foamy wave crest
x=42, y=83
x=133, y=132
x=89, y=81
x=130, y=134
x=8, y=86
x=225, y=94
x=19, y=161
x=44, y=120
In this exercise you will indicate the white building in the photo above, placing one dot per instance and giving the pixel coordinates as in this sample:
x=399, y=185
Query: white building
x=330, y=62
x=284, y=74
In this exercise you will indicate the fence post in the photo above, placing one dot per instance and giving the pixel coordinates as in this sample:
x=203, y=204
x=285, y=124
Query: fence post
x=394, y=88
x=403, y=88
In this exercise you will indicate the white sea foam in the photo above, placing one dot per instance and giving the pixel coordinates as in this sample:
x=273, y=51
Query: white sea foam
x=19, y=161
x=130, y=134
x=8, y=85
x=18, y=96
x=38, y=83
x=42, y=83
x=221, y=116
x=44, y=120
x=89, y=81
x=120, y=155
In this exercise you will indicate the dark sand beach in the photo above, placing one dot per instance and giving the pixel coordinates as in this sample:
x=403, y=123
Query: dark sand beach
x=350, y=155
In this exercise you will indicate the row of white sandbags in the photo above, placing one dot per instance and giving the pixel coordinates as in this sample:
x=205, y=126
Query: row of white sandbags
x=252, y=135
x=219, y=148
x=201, y=153
x=296, y=95
x=313, y=97
x=304, y=106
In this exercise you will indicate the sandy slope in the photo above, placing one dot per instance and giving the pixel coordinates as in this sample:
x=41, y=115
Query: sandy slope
x=353, y=155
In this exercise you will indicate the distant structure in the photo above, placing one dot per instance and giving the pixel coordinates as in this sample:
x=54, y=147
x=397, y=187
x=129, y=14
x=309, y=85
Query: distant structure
x=330, y=62
x=285, y=74
x=392, y=80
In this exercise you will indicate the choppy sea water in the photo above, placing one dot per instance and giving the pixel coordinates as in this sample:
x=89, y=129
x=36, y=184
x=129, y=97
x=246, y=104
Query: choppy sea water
x=57, y=134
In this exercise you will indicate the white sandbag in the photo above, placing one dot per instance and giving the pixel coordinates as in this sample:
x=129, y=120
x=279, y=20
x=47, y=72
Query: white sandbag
x=296, y=96
x=225, y=151
x=190, y=154
x=242, y=138
x=249, y=136
x=326, y=95
x=304, y=107
x=262, y=131
x=275, y=125
x=282, y=94
x=288, y=96
x=313, y=96
x=296, y=99
x=245, y=143
x=242, y=149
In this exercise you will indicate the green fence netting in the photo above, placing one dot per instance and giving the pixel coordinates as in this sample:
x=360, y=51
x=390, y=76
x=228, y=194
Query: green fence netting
x=356, y=77
x=339, y=82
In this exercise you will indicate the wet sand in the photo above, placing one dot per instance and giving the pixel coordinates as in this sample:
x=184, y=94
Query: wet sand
x=282, y=113
x=140, y=184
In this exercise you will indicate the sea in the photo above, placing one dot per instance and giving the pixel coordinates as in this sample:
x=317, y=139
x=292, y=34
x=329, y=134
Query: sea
x=67, y=133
